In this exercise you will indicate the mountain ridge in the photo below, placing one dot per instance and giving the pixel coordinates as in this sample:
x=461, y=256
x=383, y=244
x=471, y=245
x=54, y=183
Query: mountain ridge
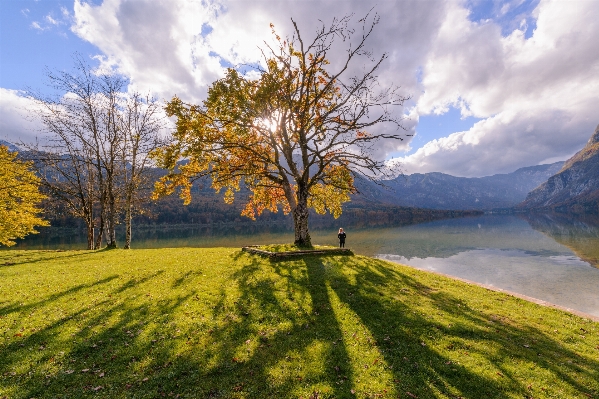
x=440, y=191
x=436, y=190
x=575, y=187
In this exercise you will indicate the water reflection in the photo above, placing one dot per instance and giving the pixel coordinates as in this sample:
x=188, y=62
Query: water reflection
x=580, y=233
x=505, y=252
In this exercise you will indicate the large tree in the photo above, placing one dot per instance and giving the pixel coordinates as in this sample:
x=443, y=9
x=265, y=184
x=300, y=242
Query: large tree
x=19, y=198
x=296, y=135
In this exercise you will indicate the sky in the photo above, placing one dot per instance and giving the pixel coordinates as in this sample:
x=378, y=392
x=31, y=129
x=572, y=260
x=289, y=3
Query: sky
x=493, y=85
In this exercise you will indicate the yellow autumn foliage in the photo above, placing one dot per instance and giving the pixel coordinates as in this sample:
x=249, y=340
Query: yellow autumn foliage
x=19, y=198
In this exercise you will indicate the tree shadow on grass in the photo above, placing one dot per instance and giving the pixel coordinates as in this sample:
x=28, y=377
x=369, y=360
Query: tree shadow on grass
x=273, y=325
x=16, y=306
x=20, y=257
x=384, y=300
x=261, y=334
x=85, y=351
x=268, y=329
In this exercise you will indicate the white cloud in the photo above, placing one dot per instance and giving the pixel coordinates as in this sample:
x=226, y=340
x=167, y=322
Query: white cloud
x=35, y=25
x=537, y=95
x=51, y=20
x=153, y=42
x=16, y=122
x=160, y=46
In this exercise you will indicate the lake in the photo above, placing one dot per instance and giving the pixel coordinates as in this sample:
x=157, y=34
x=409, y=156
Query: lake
x=554, y=258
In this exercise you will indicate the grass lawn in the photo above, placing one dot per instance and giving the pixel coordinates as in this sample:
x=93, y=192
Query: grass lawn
x=220, y=323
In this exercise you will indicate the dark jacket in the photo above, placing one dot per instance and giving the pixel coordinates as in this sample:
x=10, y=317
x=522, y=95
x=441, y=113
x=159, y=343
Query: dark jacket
x=342, y=236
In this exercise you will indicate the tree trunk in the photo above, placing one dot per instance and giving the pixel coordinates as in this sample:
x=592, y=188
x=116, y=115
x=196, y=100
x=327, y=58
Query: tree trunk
x=300, y=219
x=100, y=232
x=111, y=231
x=130, y=188
x=90, y=234
x=128, y=220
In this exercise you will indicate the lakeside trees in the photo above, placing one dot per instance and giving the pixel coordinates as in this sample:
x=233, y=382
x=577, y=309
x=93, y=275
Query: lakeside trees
x=295, y=136
x=94, y=157
x=19, y=198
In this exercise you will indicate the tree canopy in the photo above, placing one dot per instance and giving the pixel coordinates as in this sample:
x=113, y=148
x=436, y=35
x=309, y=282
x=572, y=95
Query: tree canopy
x=19, y=197
x=295, y=136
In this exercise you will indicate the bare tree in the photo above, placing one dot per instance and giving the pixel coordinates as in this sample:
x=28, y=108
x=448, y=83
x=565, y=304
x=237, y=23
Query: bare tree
x=140, y=127
x=86, y=152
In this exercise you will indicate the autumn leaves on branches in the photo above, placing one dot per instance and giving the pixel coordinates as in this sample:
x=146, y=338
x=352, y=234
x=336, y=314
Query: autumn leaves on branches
x=19, y=198
x=295, y=134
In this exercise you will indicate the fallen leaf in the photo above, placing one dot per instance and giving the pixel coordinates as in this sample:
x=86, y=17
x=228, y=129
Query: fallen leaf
x=98, y=388
x=411, y=394
x=145, y=379
x=101, y=375
x=84, y=370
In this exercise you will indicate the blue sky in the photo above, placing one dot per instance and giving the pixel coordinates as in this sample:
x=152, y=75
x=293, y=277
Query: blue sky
x=508, y=14
x=495, y=85
x=431, y=127
x=33, y=35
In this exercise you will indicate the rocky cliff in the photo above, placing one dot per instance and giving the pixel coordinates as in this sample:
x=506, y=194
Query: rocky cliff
x=575, y=187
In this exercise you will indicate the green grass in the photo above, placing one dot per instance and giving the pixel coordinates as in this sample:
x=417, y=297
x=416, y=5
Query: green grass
x=219, y=323
x=292, y=247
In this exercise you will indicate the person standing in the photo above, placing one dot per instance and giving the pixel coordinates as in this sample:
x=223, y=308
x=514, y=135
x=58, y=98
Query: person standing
x=341, y=237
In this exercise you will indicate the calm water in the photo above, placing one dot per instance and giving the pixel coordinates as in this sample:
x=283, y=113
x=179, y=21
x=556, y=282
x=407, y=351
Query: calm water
x=552, y=258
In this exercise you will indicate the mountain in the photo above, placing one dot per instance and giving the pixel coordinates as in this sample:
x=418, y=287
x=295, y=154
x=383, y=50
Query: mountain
x=11, y=147
x=442, y=191
x=575, y=187
x=435, y=191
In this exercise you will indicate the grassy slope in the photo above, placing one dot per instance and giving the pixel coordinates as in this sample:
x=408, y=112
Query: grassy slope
x=221, y=323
